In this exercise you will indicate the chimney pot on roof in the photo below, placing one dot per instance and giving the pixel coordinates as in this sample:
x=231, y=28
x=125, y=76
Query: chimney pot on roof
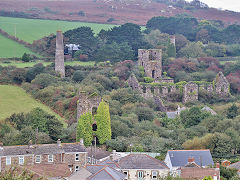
x=30, y=144
x=81, y=142
x=191, y=159
x=114, y=151
x=59, y=142
x=217, y=165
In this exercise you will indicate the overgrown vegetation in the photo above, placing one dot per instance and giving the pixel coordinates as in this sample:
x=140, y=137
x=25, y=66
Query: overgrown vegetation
x=136, y=121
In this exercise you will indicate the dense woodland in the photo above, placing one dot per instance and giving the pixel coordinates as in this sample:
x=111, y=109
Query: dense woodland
x=135, y=122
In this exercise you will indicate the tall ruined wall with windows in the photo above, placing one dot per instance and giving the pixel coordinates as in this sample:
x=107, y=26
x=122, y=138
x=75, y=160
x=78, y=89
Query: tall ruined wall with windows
x=87, y=103
x=151, y=61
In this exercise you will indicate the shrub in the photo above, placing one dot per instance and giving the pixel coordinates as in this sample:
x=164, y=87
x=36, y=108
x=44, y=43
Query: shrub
x=78, y=76
x=44, y=80
x=26, y=57
x=144, y=113
x=148, y=80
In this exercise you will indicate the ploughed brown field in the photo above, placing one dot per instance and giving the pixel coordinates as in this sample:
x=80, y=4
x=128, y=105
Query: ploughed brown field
x=122, y=11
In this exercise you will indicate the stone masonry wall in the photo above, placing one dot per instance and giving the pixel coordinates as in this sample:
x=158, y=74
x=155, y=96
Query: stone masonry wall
x=222, y=85
x=69, y=158
x=86, y=103
x=190, y=92
x=151, y=60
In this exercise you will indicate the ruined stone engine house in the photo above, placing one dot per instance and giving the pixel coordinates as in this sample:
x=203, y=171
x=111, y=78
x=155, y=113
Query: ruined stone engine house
x=151, y=61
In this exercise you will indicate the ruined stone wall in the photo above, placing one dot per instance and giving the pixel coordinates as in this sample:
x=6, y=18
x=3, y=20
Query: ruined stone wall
x=86, y=103
x=207, y=87
x=151, y=60
x=150, y=92
x=190, y=92
x=133, y=83
x=222, y=86
x=59, y=55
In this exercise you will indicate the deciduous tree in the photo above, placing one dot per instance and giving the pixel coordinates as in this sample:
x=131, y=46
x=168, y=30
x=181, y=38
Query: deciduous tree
x=103, y=121
x=84, y=129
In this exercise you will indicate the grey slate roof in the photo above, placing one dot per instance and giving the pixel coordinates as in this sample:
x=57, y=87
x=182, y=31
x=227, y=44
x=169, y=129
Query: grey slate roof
x=179, y=158
x=109, y=163
x=208, y=109
x=82, y=174
x=172, y=115
x=107, y=173
x=141, y=161
x=94, y=168
x=100, y=153
x=73, y=147
x=235, y=165
x=41, y=149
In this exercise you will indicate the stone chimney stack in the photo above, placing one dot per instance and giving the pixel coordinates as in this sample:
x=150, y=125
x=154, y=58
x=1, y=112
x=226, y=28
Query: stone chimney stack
x=173, y=40
x=59, y=55
x=191, y=160
x=217, y=165
x=30, y=144
x=59, y=143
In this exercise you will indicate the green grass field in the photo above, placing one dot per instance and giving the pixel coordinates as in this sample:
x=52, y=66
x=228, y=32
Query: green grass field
x=223, y=62
x=14, y=99
x=10, y=48
x=20, y=64
x=33, y=29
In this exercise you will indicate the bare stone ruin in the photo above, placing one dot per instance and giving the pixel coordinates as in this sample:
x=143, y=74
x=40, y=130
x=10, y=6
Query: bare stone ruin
x=59, y=55
x=151, y=61
x=87, y=103
x=222, y=85
x=190, y=92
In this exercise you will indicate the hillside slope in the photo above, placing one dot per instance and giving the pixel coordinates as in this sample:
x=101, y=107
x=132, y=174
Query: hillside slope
x=14, y=99
x=30, y=30
x=10, y=48
x=109, y=11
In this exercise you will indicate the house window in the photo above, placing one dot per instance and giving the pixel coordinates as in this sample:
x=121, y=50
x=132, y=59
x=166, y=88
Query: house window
x=50, y=158
x=126, y=172
x=8, y=160
x=76, y=168
x=21, y=160
x=89, y=160
x=140, y=175
x=38, y=159
x=76, y=157
x=154, y=174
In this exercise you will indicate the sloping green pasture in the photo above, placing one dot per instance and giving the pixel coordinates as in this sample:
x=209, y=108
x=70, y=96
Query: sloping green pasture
x=34, y=29
x=20, y=64
x=14, y=99
x=10, y=48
